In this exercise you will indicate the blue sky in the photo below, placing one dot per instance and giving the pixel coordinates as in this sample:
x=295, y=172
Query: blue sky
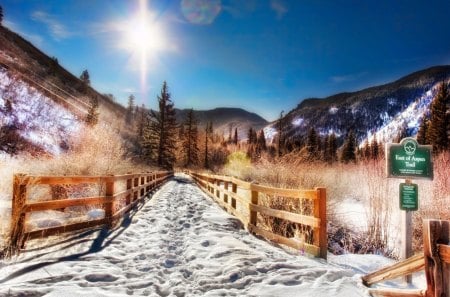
x=261, y=55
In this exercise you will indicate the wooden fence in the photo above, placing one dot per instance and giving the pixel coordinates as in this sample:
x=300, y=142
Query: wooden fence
x=137, y=187
x=435, y=260
x=244, y=205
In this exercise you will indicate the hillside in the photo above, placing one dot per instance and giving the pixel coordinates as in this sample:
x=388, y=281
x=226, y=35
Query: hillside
x=225, y=118
x=382, y=110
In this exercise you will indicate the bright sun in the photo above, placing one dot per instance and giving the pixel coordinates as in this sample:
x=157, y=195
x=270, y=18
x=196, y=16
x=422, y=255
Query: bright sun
x=143, y=38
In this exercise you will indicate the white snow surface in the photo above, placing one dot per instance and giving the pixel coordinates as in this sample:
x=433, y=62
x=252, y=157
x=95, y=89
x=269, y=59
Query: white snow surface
x=39, y=119
x=180, y=243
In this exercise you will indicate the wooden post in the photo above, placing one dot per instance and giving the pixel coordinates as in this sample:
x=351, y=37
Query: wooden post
x=18, y=217
x=234, y=190
x=225, y=196
x=129, y=187
x=437, y=273
x=406, y=250
x=109, y=207
x=253, y=215
x=218, y=191
x=320, y=212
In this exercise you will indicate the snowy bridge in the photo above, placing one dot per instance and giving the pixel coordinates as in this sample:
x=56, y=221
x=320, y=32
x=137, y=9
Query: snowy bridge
x=180, y=243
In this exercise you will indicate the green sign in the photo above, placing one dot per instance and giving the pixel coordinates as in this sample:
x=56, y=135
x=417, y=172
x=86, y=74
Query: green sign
x=408, y=196
x=408, y=160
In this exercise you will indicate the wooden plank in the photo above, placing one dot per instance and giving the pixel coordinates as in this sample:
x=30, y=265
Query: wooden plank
x=398, y=292
x=56, y=204
x=241, y=184
x=311, y=249
x=444, y=252
x=286, y=215
x=64, y=229
x=437, y=273
x=408, y=266
x=291, y=193
x=18, y=217
x=66, y=180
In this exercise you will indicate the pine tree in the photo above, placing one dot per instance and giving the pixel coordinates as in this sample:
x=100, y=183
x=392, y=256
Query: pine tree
x=374, y=149
x=349, y=149
x=85, y=81
x=235, y=138
x=423, y=131
x=208, y=133
x=312, y=143
x=332, y=147
x=437, y=131
x=366, y=152
x=92, y=116
x=190, y=147
x=163, y=130
x=280, y=138
x=261, y=142
x=130, y=109
x=141, y=123
x=1, y=15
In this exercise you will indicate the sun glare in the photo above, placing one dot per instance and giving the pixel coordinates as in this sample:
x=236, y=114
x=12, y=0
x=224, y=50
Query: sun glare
x=144, y=38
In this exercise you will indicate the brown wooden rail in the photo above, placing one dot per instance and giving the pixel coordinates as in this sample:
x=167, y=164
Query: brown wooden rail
x=435, y=260
x=137, y=187
x=228, y=197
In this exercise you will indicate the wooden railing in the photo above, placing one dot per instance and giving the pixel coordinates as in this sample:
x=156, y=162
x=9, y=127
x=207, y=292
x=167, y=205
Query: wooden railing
x=435, y=260
x=241, y=199
x=114, y=203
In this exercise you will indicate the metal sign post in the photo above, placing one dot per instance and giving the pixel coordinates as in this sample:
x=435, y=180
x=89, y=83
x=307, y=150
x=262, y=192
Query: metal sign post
x=408, y=160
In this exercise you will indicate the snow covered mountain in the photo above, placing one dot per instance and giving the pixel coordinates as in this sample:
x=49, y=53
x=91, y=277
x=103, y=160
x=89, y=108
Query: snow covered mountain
x=380, y=111
x=225, y=118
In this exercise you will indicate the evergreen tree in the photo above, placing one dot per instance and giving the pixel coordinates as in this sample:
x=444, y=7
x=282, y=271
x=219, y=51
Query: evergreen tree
x=437, y=131
x=85, y=81
x=141, y=123
x=261, y=142
x=1, y=15
x=312, y=143
x=208, y=133
x=423, y=131
x=349, y=149
x=130, y=109
x=190, y=147
x=332, y=147
x=92, y=116
x=366, y=152
x=374, y=149
x=163, y=130
x=235, y=138
x=280, y=138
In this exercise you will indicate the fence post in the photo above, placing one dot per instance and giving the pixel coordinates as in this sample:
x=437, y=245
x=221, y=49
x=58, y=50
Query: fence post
x=109, y=207
x=129, y=187
x=217, y=190
x=234, y=190
x=253, y=200
x=18, y=217
x=320, y=212
x=225, y=195
x=436, y=272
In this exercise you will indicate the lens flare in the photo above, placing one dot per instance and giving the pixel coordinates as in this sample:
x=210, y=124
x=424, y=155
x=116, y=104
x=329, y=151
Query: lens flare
x=201, y=12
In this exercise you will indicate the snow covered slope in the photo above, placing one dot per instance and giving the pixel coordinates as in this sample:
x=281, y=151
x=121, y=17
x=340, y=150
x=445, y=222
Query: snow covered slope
x=34, y=117
x=179, y=244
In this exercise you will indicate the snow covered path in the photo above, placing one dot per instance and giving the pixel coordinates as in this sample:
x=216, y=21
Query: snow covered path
x=179, y=244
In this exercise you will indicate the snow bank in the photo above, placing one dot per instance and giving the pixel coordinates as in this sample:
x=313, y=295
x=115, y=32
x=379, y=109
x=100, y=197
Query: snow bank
x=179, y=244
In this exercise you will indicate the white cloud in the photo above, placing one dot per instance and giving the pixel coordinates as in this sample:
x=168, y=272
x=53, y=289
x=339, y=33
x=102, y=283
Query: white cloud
x=279, y=7
x=347, y=77
x=57, y=29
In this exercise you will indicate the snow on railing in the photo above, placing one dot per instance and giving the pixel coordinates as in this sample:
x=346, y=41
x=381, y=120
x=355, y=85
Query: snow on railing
x=244, y=205
x=114, y=203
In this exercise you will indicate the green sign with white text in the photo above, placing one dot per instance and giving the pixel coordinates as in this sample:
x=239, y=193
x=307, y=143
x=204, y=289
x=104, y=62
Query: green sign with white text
x=409, y=160
x=409, y=196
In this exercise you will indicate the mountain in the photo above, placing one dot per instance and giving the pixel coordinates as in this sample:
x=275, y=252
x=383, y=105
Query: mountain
x=380, y=111
x=225, y=118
